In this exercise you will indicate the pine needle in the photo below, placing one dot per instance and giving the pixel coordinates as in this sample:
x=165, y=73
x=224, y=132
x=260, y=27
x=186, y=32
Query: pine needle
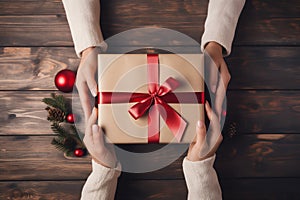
x=57, y=101
x=60, y=146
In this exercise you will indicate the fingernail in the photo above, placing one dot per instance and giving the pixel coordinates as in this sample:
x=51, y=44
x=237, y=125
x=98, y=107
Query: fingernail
x=93, y=93
x=200, y=124
x=95, y=128
x=206, y=103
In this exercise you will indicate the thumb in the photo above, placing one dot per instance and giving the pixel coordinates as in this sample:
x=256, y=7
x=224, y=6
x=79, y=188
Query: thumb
x=213, y=79
x=93, y=87
x=201, y=132
x=211, y=72
x=93, y=118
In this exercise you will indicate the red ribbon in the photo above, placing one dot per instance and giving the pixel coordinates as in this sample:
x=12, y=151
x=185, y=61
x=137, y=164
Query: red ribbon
x=156, y=102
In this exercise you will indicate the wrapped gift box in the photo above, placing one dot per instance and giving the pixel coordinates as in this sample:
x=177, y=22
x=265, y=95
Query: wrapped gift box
x=150, y=98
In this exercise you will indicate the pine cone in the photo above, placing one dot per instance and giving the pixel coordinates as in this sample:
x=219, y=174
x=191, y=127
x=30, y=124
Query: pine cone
x=55, y=114
x=232, y=130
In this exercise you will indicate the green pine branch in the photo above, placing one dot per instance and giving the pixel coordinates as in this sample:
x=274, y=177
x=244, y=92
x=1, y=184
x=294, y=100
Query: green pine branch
x=57, y=101
x=78, y=139
x=67, y=137
x=62, y=133
x=58, y=129
x=59, y=145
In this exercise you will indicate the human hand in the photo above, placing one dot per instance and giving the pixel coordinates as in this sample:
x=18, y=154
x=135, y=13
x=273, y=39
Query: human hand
x=85, y=80
x=206, y=145
x=101, y=153
x=218, y=75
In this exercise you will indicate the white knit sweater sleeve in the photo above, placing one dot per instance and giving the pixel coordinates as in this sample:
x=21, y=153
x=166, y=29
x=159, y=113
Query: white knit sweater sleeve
x=101, y=183
x=221, y=21
x=84, y=22
x=201, y=179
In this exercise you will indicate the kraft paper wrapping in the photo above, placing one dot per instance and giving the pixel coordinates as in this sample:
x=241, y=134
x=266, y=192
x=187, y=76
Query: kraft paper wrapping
x=128, y=73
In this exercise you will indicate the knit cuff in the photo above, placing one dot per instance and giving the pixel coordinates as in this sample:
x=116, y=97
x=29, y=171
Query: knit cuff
x=220, y=24
x=103, y=172
x=198, y=167
x=83, y=18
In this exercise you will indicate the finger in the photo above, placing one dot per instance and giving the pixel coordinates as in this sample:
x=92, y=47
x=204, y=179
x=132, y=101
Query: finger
x=201, y=132
x=92, y=120
x=213, y=76
x=221, y=89
x=98, y=136
x=216, y=146
x=84, y=97
x=90, y=68
x=209, y=111
x=93, y=87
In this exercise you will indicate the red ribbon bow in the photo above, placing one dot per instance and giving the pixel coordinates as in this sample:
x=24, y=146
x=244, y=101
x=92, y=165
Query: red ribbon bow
x=156, y=102
x=156, y=105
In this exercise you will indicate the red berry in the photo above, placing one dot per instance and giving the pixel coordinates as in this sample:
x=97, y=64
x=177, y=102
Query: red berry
x=70, y=118
x=78, y=152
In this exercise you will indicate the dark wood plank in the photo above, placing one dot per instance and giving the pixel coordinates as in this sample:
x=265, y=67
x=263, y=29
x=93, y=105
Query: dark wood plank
x=262, y=155
x=31, y=7
x=53, y=30
x=260, y=111
x=34, y=30
x=67, y=190
x=23, y=113
x=251, y=67
x=273, y=31
x=252, y=111
x=271, y=9
x=248, y=189
x=263, y=8
x=151, y=189
x=264, y=68
x=34, y=68
x=34, y=158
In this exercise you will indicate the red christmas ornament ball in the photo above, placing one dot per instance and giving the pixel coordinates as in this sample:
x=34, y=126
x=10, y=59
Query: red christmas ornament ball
x=64, y=80
x=70, y=118
x=79, y=152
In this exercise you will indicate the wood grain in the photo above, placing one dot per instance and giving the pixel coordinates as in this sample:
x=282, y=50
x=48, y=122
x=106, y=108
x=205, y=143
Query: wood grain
x=31, y=7
x=263, y=8
x=23, y=112
x=264, y=68
x=34, y=30
x=262, y=155
x=34, y=68
x=38, y=190
x=248, y=189
x=264, y=111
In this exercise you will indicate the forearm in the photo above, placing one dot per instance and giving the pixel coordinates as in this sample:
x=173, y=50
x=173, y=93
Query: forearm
x=101, y=184
x=221, y=21
x=83, y=18
x=201, y=179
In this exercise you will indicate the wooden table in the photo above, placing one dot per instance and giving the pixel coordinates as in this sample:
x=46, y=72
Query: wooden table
x=261, y=162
